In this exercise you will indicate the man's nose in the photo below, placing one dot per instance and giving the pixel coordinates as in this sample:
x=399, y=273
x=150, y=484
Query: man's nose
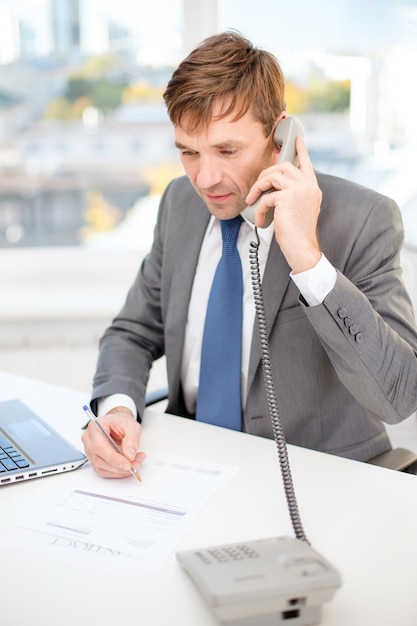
x=209, y=174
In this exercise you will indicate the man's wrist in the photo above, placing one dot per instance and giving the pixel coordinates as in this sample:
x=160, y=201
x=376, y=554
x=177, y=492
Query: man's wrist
x=116, y=403
x=307, y=263
x=121, y=409
x=315, y=284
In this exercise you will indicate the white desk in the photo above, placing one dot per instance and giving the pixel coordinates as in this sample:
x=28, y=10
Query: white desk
x=362, y=518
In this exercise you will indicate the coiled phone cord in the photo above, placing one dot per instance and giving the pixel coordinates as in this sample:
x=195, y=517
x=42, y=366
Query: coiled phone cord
x=271, y=395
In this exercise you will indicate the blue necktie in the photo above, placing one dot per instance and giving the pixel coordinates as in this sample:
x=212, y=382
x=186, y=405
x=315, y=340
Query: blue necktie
x=219, y=395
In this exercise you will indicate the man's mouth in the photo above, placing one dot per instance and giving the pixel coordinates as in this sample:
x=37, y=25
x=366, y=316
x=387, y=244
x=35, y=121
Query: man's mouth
x=217, y=198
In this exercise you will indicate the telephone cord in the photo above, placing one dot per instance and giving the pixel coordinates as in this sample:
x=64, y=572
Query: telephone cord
x=270, y=391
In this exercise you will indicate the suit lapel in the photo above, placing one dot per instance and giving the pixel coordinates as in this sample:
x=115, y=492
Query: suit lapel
x=188, y=242
x=274, y=285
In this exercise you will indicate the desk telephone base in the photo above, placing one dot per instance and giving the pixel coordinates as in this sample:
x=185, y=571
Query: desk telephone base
x=279, y=581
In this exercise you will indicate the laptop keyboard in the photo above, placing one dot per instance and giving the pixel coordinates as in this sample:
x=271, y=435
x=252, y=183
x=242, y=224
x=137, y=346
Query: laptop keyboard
x=10, y=458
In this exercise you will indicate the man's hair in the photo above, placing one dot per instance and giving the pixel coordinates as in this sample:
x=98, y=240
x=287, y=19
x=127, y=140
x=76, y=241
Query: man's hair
x=226, y=69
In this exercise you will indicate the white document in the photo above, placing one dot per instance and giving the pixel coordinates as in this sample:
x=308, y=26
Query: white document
x=122, y=522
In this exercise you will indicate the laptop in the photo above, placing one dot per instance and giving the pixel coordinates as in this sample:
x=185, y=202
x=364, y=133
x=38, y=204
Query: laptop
x=30, y=448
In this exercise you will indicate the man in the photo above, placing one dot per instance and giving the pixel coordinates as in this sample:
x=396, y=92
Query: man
x=342, y=336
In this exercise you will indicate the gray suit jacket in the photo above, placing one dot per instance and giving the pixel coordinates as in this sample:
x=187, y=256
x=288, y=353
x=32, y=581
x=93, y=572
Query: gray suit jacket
x=340, y=367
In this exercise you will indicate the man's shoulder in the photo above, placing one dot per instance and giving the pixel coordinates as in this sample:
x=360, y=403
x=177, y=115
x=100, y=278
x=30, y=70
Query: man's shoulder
x=350, y=209
x=181, y=203
x=329, y=183
x=181, y=187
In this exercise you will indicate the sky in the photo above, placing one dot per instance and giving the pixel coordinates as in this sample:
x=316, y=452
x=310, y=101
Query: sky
x=156, y=24
x=338, y=24
x=345, y=26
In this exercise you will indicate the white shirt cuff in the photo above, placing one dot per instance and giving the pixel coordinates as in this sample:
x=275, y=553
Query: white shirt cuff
x=316, y=283
x=108, y=403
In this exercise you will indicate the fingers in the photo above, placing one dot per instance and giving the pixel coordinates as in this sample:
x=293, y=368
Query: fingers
x=265, y=206
x=125, y=431
x=274, y=177
x=264, y=194
x=304, y=162
x=263, y=183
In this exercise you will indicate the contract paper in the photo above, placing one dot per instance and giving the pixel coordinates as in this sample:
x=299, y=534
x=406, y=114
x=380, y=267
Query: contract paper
x=122, y=522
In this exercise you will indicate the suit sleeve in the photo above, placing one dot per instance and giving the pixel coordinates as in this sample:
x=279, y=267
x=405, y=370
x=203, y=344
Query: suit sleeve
x=366, y=323
x=135, y=337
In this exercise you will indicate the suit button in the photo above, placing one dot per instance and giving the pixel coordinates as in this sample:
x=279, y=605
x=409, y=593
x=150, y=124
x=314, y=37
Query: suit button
x=348, y=321
x=359, y=337
x=353, y=329
x=342, y=313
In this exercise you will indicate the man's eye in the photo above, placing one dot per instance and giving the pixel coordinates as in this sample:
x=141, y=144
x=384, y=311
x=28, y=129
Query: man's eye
x=229, y=152
x=188, y=153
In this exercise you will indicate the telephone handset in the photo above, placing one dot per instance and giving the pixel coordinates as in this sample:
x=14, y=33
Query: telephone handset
x=286, y=132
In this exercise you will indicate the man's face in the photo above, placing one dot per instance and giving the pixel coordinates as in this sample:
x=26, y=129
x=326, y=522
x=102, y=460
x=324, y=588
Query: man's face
x=224, y=160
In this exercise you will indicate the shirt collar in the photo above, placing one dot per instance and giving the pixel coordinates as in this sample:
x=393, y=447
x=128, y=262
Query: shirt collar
x=265, y=234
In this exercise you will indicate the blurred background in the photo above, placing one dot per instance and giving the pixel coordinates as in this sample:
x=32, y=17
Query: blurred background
x=86, y=147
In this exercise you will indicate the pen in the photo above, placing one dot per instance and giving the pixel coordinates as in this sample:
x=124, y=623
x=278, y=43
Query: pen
x=94, y=419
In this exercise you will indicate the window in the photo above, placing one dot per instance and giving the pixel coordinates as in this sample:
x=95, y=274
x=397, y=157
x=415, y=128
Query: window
x=81, y=108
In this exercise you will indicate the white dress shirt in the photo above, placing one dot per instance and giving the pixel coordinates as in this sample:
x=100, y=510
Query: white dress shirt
x=314, y=285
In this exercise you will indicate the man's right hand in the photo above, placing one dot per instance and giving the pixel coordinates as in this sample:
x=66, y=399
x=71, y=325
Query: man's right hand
x=125, y=431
